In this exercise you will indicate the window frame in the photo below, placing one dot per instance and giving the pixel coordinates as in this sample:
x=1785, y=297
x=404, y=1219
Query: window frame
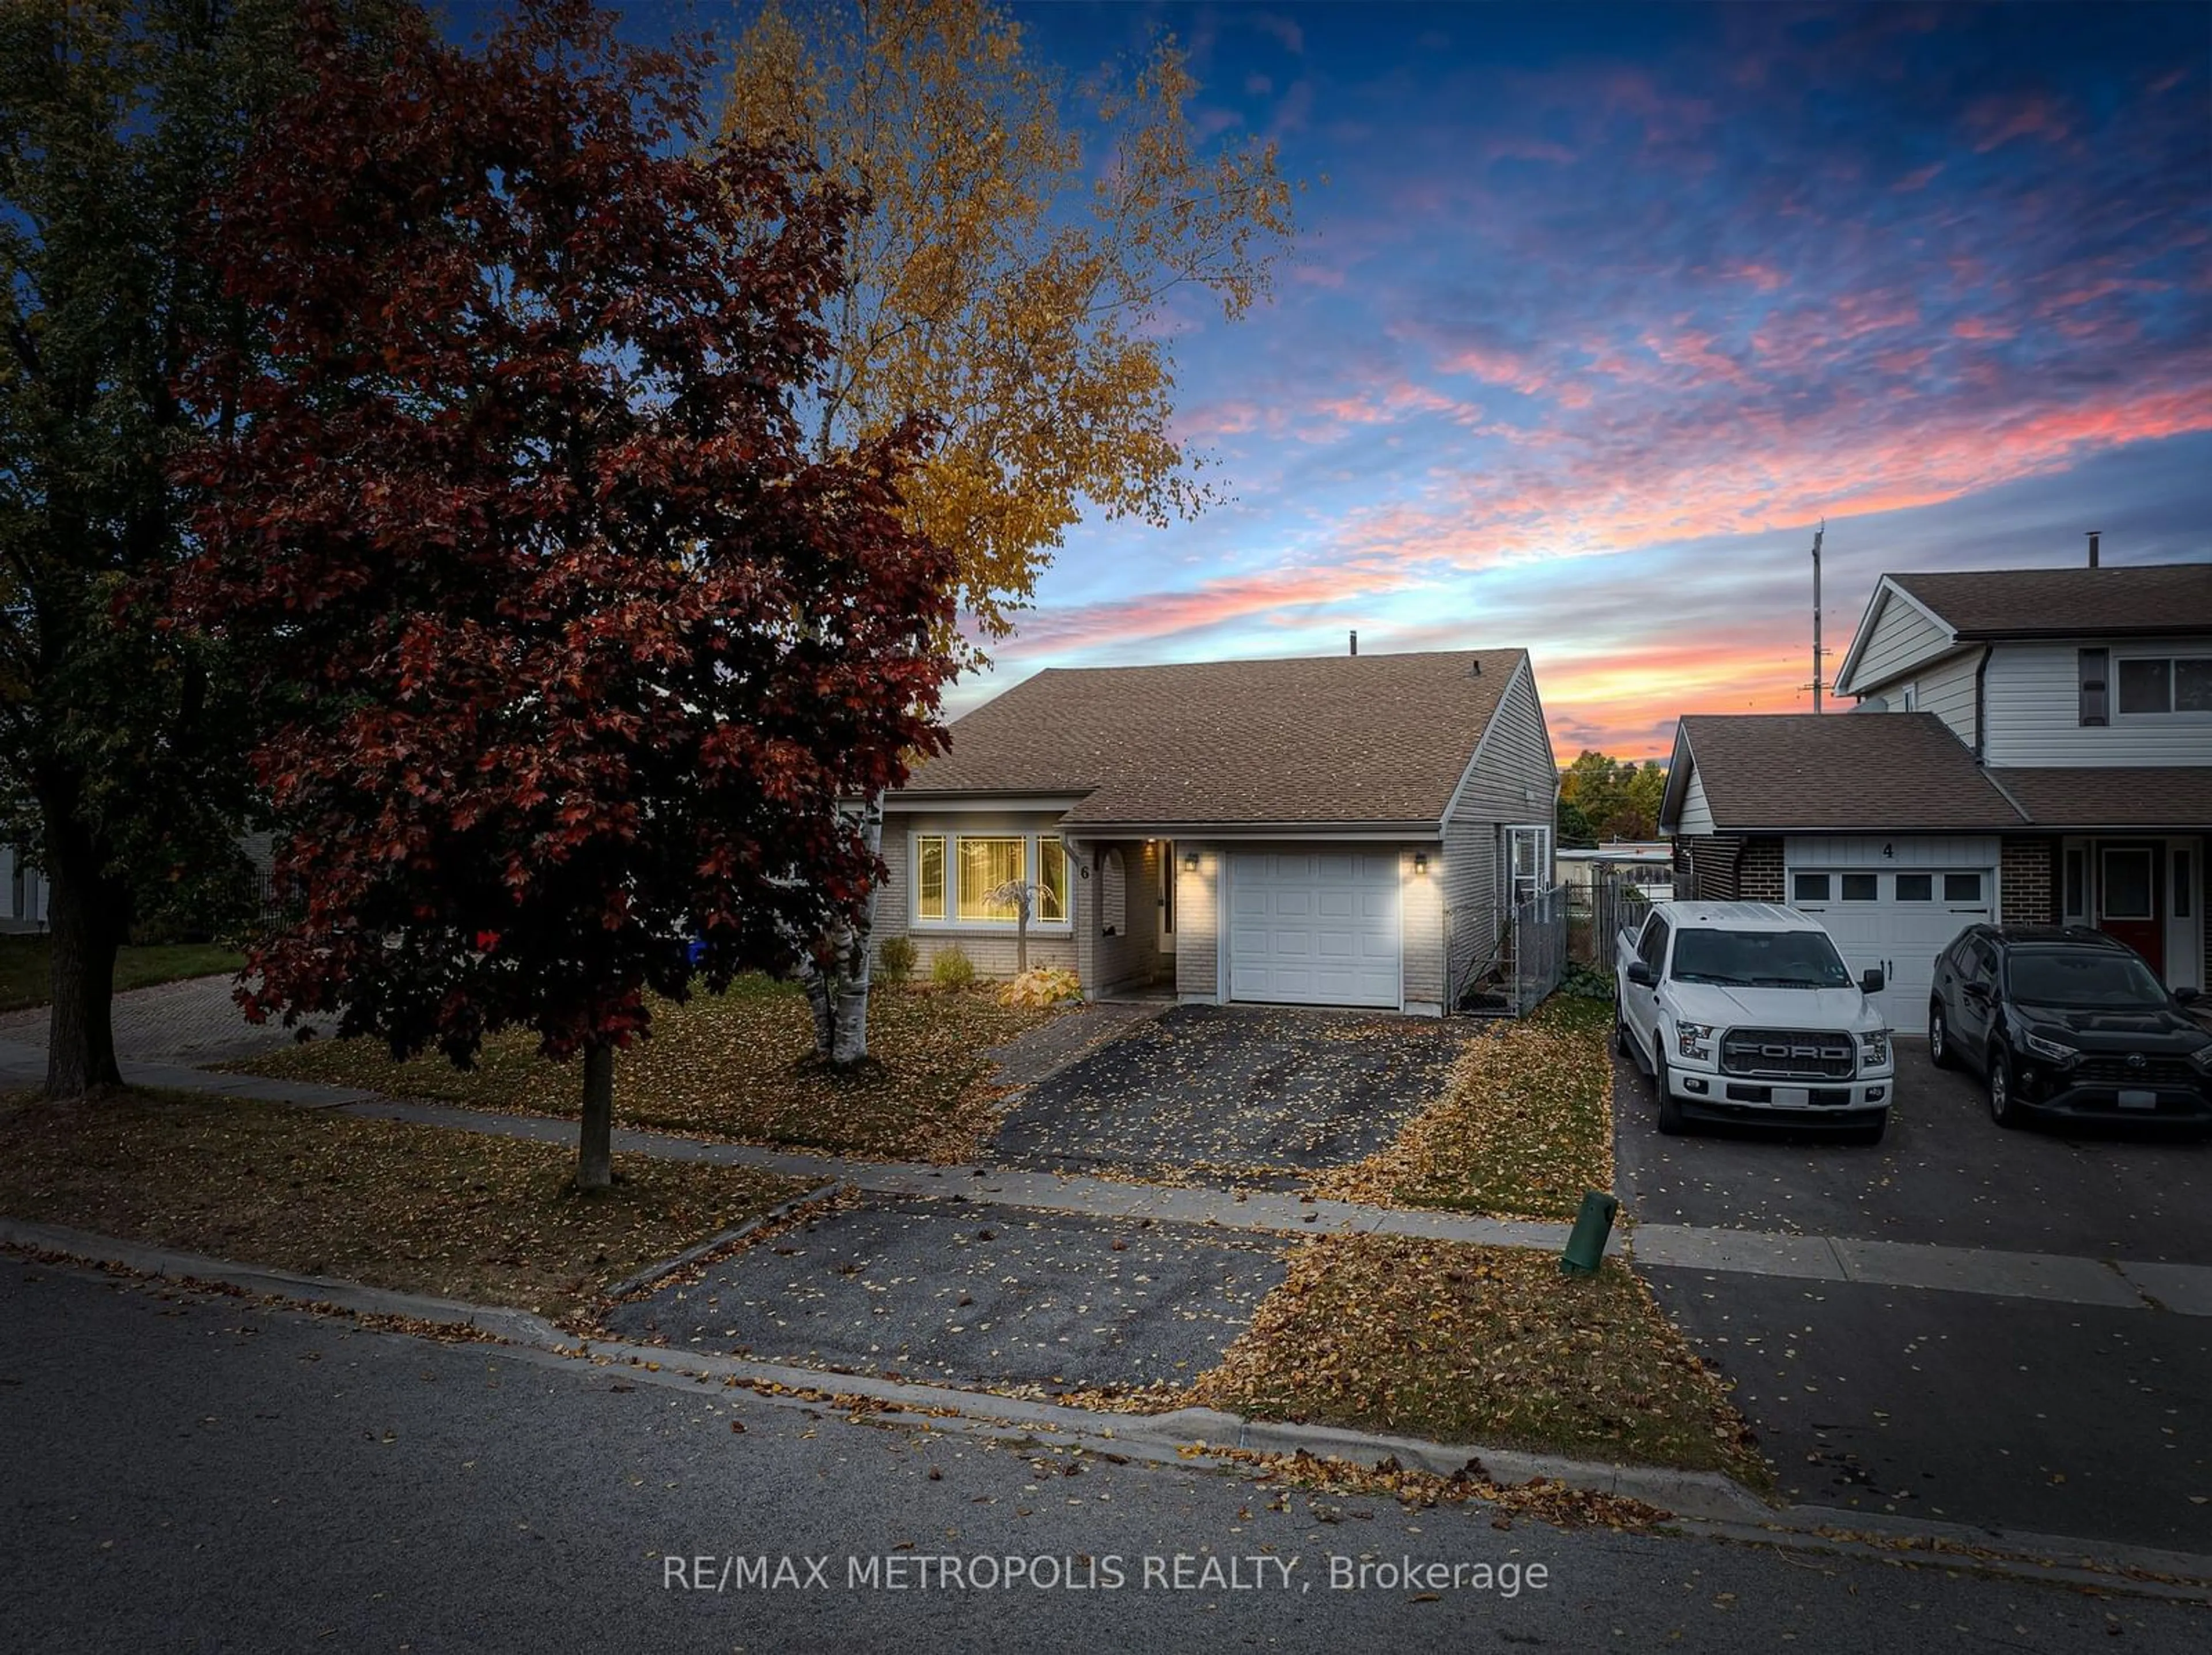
x=1032, y=840
x=2169, y=714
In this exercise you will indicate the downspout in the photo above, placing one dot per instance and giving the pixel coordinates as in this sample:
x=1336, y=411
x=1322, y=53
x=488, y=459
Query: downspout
x=1981, y=694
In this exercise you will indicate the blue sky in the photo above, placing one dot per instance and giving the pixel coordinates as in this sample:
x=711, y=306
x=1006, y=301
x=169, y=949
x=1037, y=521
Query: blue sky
x=1602, y=307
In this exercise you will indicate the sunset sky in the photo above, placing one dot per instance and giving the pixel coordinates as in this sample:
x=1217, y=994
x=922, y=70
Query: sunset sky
x=1600, y=308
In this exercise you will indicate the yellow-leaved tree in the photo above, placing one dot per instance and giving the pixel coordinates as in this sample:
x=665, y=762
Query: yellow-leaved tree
x=1017, y=281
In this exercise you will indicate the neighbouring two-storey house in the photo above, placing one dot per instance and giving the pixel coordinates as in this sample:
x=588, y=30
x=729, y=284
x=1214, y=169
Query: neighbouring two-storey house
x=2028, y=746
x=1344, y=831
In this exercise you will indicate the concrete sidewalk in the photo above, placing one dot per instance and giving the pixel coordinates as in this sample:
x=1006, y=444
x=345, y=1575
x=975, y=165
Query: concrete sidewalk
x=2119, y=1284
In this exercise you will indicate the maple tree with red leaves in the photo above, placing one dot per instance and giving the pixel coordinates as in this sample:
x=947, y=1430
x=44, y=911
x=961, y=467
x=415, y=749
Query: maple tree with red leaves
x=569, y=652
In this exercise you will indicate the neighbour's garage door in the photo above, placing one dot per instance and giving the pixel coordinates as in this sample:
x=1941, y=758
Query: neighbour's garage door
x=1895, y=920
x=1318, y=929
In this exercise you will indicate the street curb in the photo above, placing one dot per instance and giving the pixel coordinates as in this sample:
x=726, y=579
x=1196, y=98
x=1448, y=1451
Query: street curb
x=1705, y=1504
x=783, y=1209
x=1686, y=1494
x=518, y=1327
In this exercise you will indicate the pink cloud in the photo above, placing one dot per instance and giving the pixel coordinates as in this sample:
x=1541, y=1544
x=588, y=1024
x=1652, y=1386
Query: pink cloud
x=1977, y=327
x=1920, y=179
x=1998, y=120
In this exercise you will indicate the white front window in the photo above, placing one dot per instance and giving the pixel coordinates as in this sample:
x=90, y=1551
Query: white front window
x=954, y=875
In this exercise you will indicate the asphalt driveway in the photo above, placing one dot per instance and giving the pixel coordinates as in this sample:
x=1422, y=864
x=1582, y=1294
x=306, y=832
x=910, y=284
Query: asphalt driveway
x=951, y=1293
x=1263, y=1095
x=2017, y=1415
x=1944, y=1173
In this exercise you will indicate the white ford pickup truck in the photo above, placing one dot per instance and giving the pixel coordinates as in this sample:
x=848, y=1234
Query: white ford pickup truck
x=1743, y=1011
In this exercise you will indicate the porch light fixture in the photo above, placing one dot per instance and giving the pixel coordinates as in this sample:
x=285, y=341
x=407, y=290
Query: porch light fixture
x=1420, y=861
x=1190, y=863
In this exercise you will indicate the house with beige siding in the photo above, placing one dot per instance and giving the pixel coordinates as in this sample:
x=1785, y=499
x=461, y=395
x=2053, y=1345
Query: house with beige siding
x=1342, y=831
x=2027, y=745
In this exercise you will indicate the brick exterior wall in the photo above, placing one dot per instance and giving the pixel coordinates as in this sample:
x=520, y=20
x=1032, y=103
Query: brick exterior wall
x=2028, y=882
x=1758, y=875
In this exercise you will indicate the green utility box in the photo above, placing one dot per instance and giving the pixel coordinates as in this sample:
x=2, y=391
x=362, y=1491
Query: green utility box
x=1586, y=1246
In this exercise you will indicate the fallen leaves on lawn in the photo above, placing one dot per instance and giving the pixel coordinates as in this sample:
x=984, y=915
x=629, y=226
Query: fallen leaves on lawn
x=737, y=1066
x=1524, y=1127
x=417, y=1208
x=1460, y=1343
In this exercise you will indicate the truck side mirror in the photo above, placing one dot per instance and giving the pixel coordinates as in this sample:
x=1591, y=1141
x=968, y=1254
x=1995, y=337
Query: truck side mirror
x=1640, y=975
x=1871, y=982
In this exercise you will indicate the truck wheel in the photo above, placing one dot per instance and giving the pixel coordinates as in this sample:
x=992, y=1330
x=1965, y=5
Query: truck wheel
x=1939, y=1038
x=1621, y=1042
x=1671, y=1123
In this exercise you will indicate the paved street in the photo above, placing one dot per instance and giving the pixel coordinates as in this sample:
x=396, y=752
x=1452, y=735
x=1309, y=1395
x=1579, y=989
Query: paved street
x=190, y=1472
x=2090, y=1418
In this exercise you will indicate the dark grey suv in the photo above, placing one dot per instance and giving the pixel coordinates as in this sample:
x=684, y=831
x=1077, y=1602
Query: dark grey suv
x=2068, y=1022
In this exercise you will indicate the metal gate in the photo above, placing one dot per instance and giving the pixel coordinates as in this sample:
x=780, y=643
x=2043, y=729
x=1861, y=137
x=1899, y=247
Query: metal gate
x=1536, y=950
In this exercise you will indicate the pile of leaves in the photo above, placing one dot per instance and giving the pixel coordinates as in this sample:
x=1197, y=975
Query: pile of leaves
x=1492, y=1345
x=1523, y=1128
x=1041, y=985
x=417, y=1208
x=1546, y=1498
x=740, y=1066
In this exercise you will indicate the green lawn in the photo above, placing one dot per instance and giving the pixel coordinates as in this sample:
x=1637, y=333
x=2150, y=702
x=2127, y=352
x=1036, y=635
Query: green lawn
x=736, y=1065
x=26, y=964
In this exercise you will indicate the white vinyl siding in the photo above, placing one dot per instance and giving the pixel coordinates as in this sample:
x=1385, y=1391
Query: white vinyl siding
x=1903, y=638
x=1514, y=778
x=1947, y=690
x=1697, y=809
x=2031, y=699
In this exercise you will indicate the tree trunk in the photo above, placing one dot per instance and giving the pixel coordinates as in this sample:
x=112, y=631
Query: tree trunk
x=595, y=1144
x=89, y=916
x=844, y=1039
x=1022, y=942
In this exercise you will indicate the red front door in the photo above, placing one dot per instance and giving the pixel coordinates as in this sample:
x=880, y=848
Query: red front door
x=2128, y=904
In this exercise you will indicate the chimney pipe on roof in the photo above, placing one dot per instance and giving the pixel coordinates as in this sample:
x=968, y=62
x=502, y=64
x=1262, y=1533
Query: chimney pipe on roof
x=1355, y=640
x=2093, y=533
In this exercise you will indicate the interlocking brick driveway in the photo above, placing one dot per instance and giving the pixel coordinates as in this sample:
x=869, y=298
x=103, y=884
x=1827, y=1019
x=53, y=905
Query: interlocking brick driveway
x=192, y=1021
x=1261, y=1094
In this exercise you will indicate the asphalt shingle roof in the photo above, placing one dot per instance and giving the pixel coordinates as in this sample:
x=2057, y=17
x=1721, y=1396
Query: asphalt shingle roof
x=1326, y=738
x=1874, y=772
x=2156, y=598
x=2175, y=796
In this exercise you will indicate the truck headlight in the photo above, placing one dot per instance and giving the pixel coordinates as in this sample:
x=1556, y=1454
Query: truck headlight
x=2055, y=1051
x=2203, y=1058
x=1693, y=1039
x=1874, y=1048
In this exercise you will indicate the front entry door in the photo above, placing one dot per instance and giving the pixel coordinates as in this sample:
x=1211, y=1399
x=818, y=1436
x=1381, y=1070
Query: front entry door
x=2127, y=905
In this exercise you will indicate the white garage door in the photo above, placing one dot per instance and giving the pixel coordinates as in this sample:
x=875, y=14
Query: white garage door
x=1895, y=922
x=1318, y=929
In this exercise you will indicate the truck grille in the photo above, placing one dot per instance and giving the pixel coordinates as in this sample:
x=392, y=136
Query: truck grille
x=1787, y=1053
x=2109, y=1071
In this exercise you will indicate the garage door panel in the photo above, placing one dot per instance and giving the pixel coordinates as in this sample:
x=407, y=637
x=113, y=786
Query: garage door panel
x=1317, y=927
x=1897, y=921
